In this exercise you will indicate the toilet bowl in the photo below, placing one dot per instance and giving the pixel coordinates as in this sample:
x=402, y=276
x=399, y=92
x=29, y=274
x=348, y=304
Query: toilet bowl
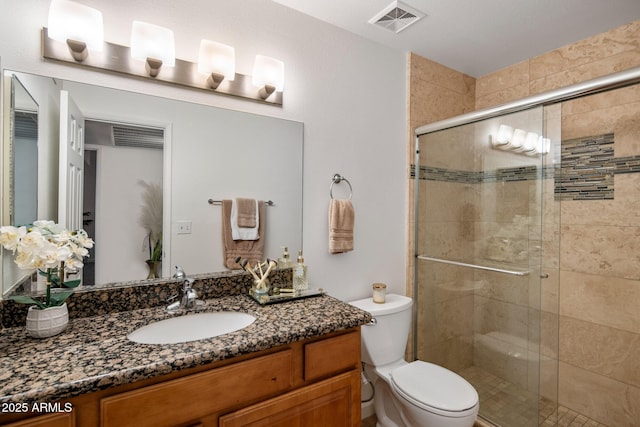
x=416, y=394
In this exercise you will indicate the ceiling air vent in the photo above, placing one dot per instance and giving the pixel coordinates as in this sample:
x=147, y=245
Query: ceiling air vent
x=137, y=136
x=396, y=17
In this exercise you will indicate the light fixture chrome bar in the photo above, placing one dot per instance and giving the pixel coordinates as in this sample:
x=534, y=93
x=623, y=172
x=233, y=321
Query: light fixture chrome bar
x=478, y=267
x=117, y=58
x=612, y=81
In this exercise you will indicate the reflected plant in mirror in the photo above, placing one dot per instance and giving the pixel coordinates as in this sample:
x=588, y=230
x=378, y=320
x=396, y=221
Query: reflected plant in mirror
x=53, y=251
x=151, y=220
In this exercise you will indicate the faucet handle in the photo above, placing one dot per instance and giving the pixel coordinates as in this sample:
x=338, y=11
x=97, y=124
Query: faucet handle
x=187, y=284
x=179, y=274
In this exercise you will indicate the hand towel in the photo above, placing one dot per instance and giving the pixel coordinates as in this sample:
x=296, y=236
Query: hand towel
x=247, y=210
x=249, y=249
x=341, y=224
x=239, y=232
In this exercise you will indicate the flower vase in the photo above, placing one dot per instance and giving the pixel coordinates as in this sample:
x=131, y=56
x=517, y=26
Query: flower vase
x=154, y=269
x=43, y=323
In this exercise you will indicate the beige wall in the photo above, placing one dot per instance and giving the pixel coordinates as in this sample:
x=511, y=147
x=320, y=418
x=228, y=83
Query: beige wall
x=596, y=275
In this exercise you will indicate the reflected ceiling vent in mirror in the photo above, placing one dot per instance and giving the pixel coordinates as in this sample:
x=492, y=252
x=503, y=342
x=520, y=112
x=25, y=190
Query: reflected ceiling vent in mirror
x=137, y=136
x=26, y=125
x=396, y=17
x=123, y=135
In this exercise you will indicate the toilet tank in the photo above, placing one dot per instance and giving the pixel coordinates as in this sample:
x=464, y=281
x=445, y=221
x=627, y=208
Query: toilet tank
x=384, y=340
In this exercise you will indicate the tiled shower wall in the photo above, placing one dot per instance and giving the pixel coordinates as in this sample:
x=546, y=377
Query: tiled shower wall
x=598, y=267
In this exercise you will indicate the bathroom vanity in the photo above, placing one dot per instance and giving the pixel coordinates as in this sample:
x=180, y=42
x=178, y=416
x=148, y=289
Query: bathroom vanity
x=297, y=364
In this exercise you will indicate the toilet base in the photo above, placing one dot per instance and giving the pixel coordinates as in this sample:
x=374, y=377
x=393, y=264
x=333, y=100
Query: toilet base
x=387, y=412
x=394, y=411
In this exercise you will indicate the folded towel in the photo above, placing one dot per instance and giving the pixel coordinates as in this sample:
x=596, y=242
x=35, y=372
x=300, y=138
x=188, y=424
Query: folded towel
x=247, y=210
x=249, y=249
x=341, y=223
x=239, y=232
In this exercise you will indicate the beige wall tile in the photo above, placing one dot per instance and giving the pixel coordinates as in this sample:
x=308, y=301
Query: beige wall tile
x=622, y=39
x=582, y=73
x=602, y=300
x=601, y=101
x=509, y=77
x=503, y=96
x=622, y=120
x=497, y=316
x=429, y=71
x=623, y=210
x=601, y=250
x=430, y=103
x=502, y=287
x=603, y=399
x=600, y=349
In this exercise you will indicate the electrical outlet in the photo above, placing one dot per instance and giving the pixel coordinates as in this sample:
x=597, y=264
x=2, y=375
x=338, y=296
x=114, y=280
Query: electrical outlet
x=183, y=227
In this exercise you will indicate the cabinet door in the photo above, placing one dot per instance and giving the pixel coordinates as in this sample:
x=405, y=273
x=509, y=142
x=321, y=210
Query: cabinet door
x=333, y=402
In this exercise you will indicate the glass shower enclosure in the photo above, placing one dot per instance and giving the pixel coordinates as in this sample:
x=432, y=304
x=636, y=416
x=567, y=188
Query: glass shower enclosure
x=486, y=221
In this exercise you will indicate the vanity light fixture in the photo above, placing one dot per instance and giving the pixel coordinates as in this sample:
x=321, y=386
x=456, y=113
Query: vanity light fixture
x=520, y=141
x=153, y=44
x=156, y=47
x=268, y=75
x=217, y=61
x=77, y=25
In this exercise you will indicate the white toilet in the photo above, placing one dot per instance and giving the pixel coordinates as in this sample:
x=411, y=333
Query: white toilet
x=416, y=394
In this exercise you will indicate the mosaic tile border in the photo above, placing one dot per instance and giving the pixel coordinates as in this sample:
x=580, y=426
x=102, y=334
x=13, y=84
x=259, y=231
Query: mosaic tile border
x=525, y=173
x=586, y=172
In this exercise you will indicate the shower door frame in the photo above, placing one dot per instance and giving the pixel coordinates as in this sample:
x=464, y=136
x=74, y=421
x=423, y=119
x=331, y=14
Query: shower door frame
x=590, y=87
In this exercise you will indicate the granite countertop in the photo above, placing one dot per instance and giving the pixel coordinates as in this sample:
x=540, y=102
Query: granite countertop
x=93, y=353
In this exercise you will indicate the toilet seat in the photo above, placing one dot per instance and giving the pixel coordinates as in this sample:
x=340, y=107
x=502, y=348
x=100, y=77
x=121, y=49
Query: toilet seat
x=434, y=388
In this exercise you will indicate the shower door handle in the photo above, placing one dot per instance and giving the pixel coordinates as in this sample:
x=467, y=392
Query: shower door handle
x=479, y=267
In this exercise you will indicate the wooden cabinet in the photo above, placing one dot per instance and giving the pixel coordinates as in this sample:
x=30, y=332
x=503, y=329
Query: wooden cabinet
x=327, y=403
x=51, y=420
x=192, y=397
x=314, y=382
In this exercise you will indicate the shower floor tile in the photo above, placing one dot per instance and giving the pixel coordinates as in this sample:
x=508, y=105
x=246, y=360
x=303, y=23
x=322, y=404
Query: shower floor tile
x=508, y=405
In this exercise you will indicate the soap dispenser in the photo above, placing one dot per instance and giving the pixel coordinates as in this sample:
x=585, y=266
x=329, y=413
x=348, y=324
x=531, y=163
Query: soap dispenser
x=300, y=282
x=284, y=261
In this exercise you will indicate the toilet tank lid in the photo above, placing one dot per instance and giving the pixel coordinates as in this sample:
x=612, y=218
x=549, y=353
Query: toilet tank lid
x=393, y=304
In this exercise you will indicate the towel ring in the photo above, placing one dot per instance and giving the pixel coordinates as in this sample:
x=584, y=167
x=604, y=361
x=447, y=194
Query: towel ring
x=337, y=179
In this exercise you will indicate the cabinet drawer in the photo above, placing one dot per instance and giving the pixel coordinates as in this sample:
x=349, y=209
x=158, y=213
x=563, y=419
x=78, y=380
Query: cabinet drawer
x=189, y=398
x=53, y=420
x=332, y=355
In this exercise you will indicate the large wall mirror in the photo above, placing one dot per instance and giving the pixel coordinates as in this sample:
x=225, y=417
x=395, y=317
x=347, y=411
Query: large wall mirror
x=190, y=152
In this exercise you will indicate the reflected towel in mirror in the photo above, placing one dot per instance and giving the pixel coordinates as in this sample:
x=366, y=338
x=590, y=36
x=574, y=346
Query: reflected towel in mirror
x=244, y=212
x=249, y=249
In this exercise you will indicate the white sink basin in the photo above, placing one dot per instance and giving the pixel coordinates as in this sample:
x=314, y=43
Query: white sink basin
x=191, y=327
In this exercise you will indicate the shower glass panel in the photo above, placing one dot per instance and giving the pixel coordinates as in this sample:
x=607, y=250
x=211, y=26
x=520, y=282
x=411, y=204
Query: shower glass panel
x=479, y=268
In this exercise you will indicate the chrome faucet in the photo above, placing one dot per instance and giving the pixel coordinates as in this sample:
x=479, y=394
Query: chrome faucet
x=189, y=295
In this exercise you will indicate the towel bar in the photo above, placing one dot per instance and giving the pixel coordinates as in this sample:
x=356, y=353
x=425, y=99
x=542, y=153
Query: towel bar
x=337, y=179
x=219, y=202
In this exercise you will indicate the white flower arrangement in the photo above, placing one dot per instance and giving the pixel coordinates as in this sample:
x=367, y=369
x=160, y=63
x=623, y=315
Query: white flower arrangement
x=52, y=250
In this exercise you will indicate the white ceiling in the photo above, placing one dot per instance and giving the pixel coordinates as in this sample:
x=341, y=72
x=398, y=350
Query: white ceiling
x=478, y=37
